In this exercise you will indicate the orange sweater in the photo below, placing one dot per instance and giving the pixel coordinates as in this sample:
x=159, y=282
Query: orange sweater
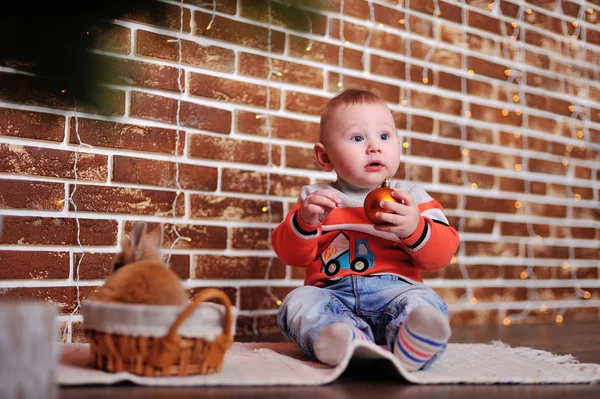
x=346, y=242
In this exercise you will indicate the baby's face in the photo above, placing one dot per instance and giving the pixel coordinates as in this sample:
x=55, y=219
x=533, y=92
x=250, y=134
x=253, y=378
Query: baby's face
x=362, y=144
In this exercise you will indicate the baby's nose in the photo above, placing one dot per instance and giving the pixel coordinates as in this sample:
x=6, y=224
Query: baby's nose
x=374, y=147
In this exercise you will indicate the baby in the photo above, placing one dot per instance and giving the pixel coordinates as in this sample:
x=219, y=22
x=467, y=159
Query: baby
x=363, y=280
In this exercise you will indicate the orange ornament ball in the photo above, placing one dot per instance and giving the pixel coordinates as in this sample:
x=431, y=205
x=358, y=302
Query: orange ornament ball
x=374, y=198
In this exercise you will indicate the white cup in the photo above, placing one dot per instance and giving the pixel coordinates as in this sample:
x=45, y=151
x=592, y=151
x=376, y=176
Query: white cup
x=28, y=349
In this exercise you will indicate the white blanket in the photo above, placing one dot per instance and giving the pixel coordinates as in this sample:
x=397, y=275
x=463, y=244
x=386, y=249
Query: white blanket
x=261, y=364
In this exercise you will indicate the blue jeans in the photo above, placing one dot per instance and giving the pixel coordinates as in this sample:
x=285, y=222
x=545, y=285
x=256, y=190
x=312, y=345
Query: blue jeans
x=377, y=305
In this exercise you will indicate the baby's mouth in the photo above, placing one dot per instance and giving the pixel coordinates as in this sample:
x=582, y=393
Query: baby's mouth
x=374, y=166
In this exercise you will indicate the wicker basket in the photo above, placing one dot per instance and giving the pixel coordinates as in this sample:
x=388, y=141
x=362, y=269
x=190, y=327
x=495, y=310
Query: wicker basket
x=170, y=355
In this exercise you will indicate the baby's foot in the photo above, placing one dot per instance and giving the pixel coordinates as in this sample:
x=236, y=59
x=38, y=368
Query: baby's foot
x=332, y=341
x=424, y=333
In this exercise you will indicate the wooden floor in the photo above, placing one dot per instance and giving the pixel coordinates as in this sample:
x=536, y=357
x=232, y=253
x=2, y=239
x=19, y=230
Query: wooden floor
x=581, y=339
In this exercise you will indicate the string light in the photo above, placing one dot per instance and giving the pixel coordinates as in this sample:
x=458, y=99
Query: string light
x=178, y=236
x=433, y=48
x=367, y=42
x=341, y=49
x=212, y=19
x=469, y=295
x=270, y=164
x=406, y=101
x=577, y=111
x=67, y=332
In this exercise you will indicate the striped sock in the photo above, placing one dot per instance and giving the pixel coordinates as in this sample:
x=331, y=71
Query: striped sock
x=424, y=333
x=332, y=342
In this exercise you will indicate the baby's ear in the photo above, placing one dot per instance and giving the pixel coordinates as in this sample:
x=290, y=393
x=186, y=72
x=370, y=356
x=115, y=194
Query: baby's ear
x=139, y=230
x=153, y=240
x=322, y=157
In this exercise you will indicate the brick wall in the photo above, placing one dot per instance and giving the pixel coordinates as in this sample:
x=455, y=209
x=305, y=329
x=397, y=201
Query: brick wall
x=504, y=132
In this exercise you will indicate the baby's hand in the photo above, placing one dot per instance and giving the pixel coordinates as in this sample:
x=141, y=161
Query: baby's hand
x=318, y=205
x=403, y=222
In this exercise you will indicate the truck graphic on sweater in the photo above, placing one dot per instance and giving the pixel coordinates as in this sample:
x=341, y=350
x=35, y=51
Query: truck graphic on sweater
x=340, y=254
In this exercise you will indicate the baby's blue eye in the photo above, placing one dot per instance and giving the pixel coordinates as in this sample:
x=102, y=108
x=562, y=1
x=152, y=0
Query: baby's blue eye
x=357, y=139
x=385, y=136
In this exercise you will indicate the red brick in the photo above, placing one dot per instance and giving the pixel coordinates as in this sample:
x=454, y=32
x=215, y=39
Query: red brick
x=257, y=324
x=180, y=265
x=547, y=210
x=448, y=201
x=22, y=194
x=36, y=161
x=238, y=32
x=31, y=90
x=149, y=106
x=323, y=53
x=451, y=176
x=31, y=125
x=420, y=173
x=93, y=266
x=34, y=265
x=479, y=225
x=439, y=55
x=125, y=136
x=57, y=231
x=231, y=293
x=435, y=103
x=480, y=88
x=483, y=45
x=304, y=103
x=540, y=40
x=420, y=26
x=542, y=124
x=359, y=34
x=126, y=200
x=291, y=129
x=388, y=15
x=587, y=253
x=505, y=294
x=473, y=272
x=136, y=73
x=474, y=317
x=496, y=205
x=225, y=6
x=232, y=150
x=202, y=237
x=435, y=150
x=257, y=298
x=157, y=46
x=300, y=158
x=483, y=22
x=449, y=129
x=544, y=82
x=233, y=91
x=387, y=67
x=385, y=91
x=236, y=267
x=486, y=68
x=490, y=114
x=162, y=173
x=65, y=298
x=110, y=37
x=549, y=167
x=163, y=15
x=231, y=209
x=250, y=238
x=235, y=180
x=286, y=16
x=258, y=66
x=353, y=33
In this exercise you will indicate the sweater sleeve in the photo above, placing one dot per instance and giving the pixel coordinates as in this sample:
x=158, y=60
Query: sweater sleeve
x=294, y=241
x=434, y=241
